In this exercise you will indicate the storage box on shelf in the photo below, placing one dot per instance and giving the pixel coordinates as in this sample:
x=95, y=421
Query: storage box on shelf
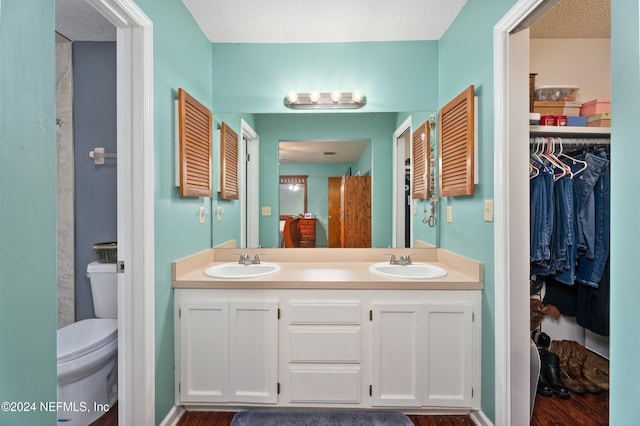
x=599, y=120
x=568, y=108
x=596, y=106
x=556, y=93
x=579, y=121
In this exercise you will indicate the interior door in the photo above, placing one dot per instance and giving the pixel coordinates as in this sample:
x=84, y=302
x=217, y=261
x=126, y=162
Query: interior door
x=333, y=238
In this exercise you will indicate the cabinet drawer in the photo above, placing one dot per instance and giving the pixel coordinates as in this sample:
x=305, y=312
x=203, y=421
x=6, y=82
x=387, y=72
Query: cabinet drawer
x=325, y=313
x=325, y=346
x=325, y=385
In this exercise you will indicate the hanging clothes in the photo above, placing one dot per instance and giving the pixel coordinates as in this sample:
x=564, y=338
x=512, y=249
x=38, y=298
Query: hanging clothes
x=570, y=216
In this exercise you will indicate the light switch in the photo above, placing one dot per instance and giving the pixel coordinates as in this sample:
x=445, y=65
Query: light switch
x=266, y=211
x=488, y=210
x=450, y=214
x=203, y=212
x=219, y=212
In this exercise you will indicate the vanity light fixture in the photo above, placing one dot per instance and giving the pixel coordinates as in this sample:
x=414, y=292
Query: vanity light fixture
x=325, y=100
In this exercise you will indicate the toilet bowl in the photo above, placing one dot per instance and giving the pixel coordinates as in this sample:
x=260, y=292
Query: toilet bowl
x=87, y=354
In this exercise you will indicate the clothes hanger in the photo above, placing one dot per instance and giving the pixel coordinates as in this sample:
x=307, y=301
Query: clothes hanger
x=556, y=164
x=573, y=160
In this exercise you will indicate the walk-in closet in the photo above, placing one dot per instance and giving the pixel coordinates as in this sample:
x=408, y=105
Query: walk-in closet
x=569, y=171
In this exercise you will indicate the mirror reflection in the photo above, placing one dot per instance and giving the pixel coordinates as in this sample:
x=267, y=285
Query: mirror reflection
x=326, y=148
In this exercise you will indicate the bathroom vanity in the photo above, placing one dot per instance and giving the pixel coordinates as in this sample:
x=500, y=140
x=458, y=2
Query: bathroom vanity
x=326, y=331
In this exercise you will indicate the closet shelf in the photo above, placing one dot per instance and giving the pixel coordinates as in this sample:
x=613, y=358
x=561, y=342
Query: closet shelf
x=569, y=131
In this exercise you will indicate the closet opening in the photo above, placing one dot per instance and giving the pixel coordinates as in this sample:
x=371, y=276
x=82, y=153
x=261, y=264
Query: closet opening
x=569, y=209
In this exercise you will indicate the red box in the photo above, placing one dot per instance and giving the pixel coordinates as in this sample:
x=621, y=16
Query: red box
x=596, y=106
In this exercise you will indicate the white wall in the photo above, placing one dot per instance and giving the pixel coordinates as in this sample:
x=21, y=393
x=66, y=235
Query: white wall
x=585, y=63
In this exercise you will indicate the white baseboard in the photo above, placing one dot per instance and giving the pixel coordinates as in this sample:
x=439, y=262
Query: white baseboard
x=172, y=417
x=480, y=419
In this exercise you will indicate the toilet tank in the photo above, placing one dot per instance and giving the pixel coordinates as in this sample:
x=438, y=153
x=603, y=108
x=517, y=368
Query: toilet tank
x=104, y=289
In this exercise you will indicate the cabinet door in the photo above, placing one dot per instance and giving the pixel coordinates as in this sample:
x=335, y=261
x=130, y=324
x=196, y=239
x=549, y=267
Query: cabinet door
x=448, y=356
x=253, y=365
x=204, y=351
x=397, y=352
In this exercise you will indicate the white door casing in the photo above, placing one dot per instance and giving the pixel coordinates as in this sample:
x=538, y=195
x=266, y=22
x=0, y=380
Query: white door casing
x=135, y=175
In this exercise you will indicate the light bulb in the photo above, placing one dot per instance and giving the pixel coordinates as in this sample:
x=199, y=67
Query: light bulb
x=292, y=96
x=336, y=96
x=314, y=96
x=357, y=96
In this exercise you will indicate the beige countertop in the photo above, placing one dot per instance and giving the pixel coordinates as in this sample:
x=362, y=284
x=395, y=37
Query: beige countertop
x=328, y=269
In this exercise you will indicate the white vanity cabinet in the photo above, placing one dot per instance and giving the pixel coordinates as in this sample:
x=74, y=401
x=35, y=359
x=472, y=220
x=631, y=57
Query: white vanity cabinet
x=355, y=348
x=226, y=349
x=422, y=354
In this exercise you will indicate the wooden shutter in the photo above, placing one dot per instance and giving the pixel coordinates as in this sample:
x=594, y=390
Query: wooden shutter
x=194, y=127
x=228, y=163
x=420, y=159
x=456, y=145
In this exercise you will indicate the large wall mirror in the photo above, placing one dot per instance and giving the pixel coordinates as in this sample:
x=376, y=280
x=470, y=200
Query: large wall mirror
x=324, y=146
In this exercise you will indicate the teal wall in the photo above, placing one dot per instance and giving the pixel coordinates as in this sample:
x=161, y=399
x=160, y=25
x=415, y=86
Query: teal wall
x=394, y=76
x=182, y=59
x=466, y=58
x=376, y=127
x=625, y=204
x=28, y=311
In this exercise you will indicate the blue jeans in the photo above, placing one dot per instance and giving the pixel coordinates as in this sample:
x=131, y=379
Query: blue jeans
x=584, y=185
x=563, y=240
x=591, y=268
x=541, y=223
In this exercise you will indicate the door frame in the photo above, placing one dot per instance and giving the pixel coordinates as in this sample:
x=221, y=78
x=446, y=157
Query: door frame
x=136, y=317
x=249, y=187
x=404, y=127
x=511, y=223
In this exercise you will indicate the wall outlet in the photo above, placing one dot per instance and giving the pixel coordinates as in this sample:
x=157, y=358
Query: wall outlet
x=219, y=212
x=449, y=214
x=266, y=211
x=488, y=210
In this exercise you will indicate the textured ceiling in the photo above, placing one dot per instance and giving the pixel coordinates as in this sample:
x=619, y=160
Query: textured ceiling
x=308, y=21
x=78, y=21
x=575, y=19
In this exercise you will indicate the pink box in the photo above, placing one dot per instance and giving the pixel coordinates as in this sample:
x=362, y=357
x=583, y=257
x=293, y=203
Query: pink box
x=596, y=106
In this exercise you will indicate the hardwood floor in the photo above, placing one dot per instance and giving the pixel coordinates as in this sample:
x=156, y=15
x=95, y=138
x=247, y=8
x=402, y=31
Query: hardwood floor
x=585, y=410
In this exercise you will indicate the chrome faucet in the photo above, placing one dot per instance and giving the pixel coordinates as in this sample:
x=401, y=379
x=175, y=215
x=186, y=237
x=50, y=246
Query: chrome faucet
x=404, y=259
x=246, y=260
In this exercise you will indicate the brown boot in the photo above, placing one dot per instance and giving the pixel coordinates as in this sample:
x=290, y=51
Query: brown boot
x=560, y=348
x=576, y=367
x=596, y=369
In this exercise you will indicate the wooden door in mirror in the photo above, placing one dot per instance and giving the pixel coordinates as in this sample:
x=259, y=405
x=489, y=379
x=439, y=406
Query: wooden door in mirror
x=229, y=185
x=420, y=156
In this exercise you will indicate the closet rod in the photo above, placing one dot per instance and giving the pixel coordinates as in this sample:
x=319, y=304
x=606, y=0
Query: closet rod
x=575, y=141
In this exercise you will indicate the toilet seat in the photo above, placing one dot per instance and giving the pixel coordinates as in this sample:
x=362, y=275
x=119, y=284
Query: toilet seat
x=86, y=336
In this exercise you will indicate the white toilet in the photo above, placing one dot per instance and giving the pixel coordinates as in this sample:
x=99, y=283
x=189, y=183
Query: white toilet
x=88, y=354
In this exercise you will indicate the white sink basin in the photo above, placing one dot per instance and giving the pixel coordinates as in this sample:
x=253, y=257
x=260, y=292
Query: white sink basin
x=414, y=271
x=238, y=270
